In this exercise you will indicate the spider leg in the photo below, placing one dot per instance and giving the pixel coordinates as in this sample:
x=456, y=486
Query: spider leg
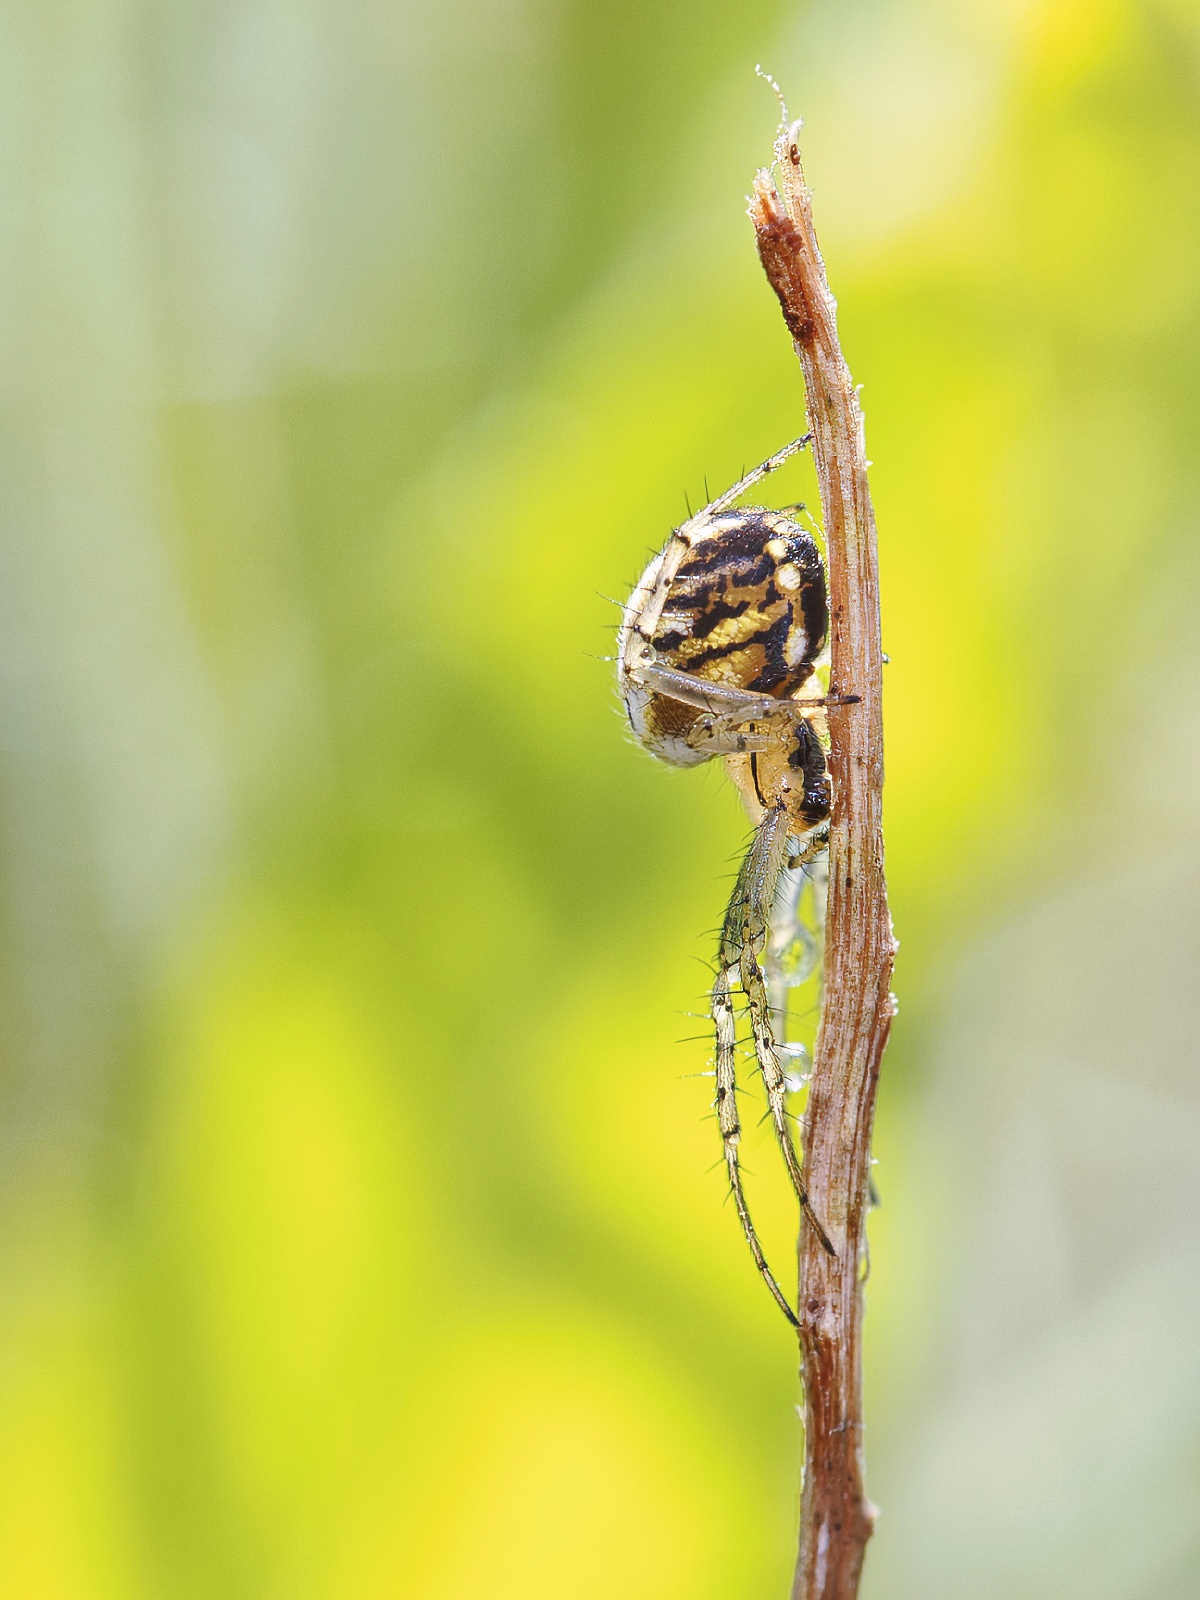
x=737, y=734
x=727, y=1119
x=722, y=700
x=755, y=475
x=747, y=925
x=731, y=735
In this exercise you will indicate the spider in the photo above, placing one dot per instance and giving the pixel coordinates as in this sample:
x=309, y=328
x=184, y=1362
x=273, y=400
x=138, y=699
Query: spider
x=721, y=633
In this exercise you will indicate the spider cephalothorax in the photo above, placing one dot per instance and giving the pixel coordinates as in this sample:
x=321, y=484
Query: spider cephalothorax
x=718, y=640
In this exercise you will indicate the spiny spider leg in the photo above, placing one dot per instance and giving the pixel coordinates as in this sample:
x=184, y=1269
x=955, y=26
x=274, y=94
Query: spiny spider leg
x=755, y=475
x=727, y=1119
x=722, y=699
x=737, y=734
x=747, y=926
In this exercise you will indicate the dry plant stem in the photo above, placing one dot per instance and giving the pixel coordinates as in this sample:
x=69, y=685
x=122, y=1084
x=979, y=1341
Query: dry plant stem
x=836, y=1517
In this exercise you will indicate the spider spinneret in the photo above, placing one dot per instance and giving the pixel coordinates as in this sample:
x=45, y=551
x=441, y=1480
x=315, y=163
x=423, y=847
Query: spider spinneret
x=718, y=639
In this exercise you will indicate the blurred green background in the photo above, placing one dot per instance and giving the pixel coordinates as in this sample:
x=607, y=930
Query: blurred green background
x=359, y=1228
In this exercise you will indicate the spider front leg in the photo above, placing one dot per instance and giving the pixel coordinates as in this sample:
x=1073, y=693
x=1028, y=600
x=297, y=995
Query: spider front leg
x=743, y=937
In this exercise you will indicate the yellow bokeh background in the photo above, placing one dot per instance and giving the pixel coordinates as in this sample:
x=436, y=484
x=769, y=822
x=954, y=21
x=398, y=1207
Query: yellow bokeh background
x=361, y=1234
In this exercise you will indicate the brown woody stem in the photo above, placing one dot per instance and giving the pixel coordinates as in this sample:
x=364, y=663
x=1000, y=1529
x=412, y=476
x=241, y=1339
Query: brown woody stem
x=836, y=1517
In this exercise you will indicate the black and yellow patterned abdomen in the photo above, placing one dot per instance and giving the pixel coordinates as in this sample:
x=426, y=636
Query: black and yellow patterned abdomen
x=747, y=608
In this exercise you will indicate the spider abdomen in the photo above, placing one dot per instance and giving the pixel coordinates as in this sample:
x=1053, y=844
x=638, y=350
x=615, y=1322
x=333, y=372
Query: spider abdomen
x=746, y=608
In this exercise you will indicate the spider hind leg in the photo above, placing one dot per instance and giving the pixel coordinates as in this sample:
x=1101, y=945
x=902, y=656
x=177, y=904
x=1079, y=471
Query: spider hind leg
x=725, y=1028
x=743, y=938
